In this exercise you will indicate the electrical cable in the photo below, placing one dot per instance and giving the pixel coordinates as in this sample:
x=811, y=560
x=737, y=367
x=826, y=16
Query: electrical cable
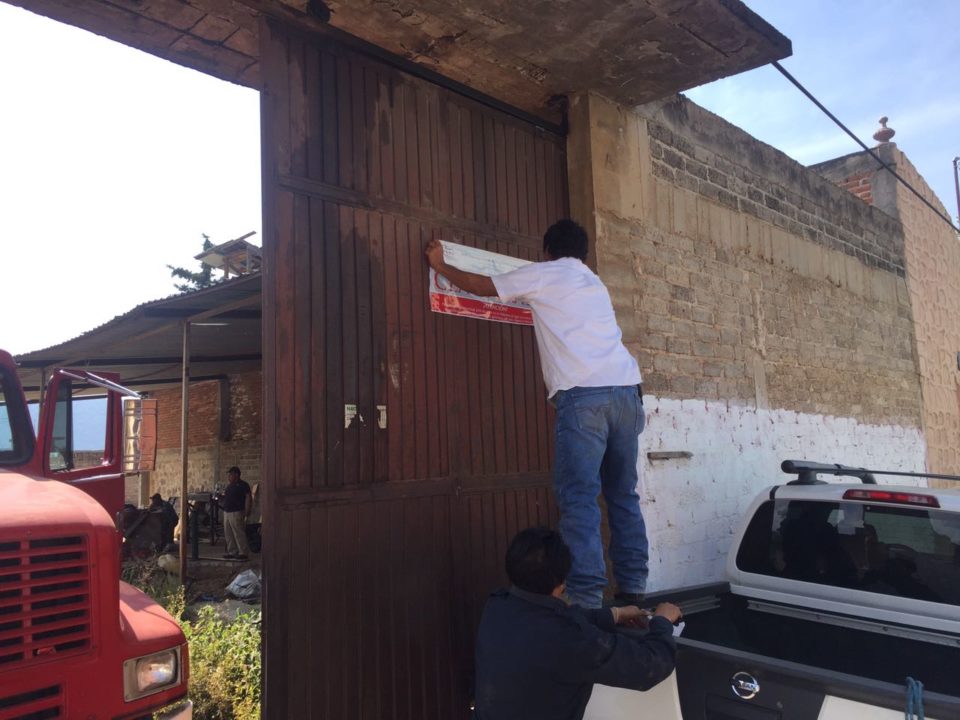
x=860, y=142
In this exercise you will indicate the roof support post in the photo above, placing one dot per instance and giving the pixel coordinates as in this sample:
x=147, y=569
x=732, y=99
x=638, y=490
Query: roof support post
x=184, y=421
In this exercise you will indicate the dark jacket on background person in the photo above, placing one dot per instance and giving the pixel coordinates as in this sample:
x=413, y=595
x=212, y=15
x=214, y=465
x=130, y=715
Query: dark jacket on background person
x=233, y=498
x=538, y=658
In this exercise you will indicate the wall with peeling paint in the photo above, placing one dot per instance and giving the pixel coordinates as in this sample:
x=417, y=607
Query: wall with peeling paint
x=768, y=309
x=693, y=506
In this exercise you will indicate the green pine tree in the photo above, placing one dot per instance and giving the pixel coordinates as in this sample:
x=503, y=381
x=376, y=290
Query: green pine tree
x=194, y=280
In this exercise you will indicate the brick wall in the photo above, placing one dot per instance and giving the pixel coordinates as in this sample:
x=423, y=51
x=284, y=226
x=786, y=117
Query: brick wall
x=799, y=303
x=693, y=149
x=860, y=184
x=933, y=277
x=209, y=455
x=768, y=309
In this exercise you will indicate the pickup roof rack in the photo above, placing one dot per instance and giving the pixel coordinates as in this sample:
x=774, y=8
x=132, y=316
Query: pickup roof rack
x=807, y=472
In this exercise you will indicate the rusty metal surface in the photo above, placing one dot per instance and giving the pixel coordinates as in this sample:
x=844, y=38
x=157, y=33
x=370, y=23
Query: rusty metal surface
x=383, y=542
x=144, y=344
x=523, y=53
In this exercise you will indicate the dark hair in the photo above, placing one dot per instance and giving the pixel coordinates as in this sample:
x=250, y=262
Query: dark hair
x=538, y=560
x=234, y=469
x=566, y=238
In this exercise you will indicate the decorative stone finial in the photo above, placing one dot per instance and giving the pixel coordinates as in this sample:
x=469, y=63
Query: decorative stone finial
x=884, y=134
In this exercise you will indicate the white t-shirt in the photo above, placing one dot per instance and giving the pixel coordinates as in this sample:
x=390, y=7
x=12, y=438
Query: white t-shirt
x=577, y=333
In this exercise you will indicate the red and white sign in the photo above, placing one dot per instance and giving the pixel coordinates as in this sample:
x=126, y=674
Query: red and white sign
x=447, y=298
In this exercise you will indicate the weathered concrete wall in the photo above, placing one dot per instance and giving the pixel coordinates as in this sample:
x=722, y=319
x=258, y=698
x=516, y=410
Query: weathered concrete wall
x=933, y=277
x=212, y=449
x=768, y=309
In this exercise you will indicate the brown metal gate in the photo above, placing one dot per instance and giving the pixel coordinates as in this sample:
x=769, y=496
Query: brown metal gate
x=385, y=532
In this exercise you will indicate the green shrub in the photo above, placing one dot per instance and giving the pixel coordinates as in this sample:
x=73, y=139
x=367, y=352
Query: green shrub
x=224, y=665
x=224, y=656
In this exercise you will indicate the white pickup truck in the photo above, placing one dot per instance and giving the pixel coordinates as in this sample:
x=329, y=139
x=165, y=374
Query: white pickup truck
x=842, y=602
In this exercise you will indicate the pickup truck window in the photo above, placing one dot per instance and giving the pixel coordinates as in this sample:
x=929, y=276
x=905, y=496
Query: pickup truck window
x=894, y=550
x=16, y=433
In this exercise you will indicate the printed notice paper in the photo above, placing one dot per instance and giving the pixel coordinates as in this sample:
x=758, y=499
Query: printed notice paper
x=447, y=298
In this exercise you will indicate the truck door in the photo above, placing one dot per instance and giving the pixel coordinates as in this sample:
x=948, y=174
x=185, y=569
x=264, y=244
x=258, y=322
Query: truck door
x=80, y=436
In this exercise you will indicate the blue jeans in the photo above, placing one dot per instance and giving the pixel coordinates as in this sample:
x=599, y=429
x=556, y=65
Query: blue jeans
x=596, y=451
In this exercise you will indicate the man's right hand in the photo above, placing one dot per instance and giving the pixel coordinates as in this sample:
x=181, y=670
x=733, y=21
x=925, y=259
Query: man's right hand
x=669, y=611
x=434, y=253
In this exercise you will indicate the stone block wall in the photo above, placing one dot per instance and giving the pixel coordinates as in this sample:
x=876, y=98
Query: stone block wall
x=933, y=273
x=768, y=310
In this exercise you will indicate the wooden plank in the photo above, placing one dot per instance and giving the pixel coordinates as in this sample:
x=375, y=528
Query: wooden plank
x=328, y=119
x=442, y=152
x=318, y=344
x=298, y=116
x=481, y=212
x=394, y=395
x=399, y=136
x=285, y=346
x=405, y=301
x=354, y=671
x=317, y=547
x=380, y=358
x=498, y=383
x=360, y=127
x=424, y=366
x=349, y=343
x=366, y=378
x=301, y=281
x=313, y=78
x=369, y=607
x=301, y=612
x=333, y=400
x=345, y=122
x=411, y=118
x=376, y=120
x=501, y=174
x=524, y=179
x=273, y=101
x=490, y=171
x=424, y=144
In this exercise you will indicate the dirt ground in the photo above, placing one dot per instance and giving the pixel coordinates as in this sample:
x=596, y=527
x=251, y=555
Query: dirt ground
x=207, y=579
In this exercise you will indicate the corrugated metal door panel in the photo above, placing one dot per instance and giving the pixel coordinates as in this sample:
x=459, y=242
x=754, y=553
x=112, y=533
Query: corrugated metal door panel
x=403, y=449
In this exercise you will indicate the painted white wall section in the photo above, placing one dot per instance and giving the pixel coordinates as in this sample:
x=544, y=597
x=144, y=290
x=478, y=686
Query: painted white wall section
x=693, y=507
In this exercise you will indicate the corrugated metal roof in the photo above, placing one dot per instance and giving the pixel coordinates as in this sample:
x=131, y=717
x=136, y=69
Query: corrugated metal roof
x=144, y=345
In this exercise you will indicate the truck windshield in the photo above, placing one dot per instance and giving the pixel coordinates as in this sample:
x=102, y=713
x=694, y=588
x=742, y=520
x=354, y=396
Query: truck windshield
x=16, y=433
x=906, y=552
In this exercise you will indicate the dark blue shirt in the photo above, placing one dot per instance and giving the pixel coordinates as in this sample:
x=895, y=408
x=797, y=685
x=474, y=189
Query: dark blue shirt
x=538, y=658
x=234, y=498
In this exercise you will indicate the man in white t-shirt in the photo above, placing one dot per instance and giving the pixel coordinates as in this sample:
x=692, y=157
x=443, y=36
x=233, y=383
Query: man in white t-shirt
x=594, y=383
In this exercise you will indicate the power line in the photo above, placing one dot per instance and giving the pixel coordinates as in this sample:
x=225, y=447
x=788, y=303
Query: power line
x=860, y=142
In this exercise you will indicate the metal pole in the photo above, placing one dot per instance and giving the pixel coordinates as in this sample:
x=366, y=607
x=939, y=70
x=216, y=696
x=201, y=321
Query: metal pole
x=184, y=420
x=956, y=184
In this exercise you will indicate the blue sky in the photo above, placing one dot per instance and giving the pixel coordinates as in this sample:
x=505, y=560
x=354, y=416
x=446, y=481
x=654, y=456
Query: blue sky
x=114, y=162
x=862, y=59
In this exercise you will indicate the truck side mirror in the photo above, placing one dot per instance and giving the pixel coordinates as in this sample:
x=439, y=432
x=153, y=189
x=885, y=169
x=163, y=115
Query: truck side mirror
x=139, y=435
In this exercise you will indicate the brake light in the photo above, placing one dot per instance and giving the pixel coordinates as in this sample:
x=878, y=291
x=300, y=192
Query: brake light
x=886, y=496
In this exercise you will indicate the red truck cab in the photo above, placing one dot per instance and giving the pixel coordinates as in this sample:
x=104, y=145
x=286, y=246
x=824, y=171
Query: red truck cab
x=75, y=641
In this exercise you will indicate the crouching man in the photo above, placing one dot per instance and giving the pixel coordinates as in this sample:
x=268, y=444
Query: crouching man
x=538, y=658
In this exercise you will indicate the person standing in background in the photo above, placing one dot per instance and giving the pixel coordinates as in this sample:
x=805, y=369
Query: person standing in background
x=235, y=503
